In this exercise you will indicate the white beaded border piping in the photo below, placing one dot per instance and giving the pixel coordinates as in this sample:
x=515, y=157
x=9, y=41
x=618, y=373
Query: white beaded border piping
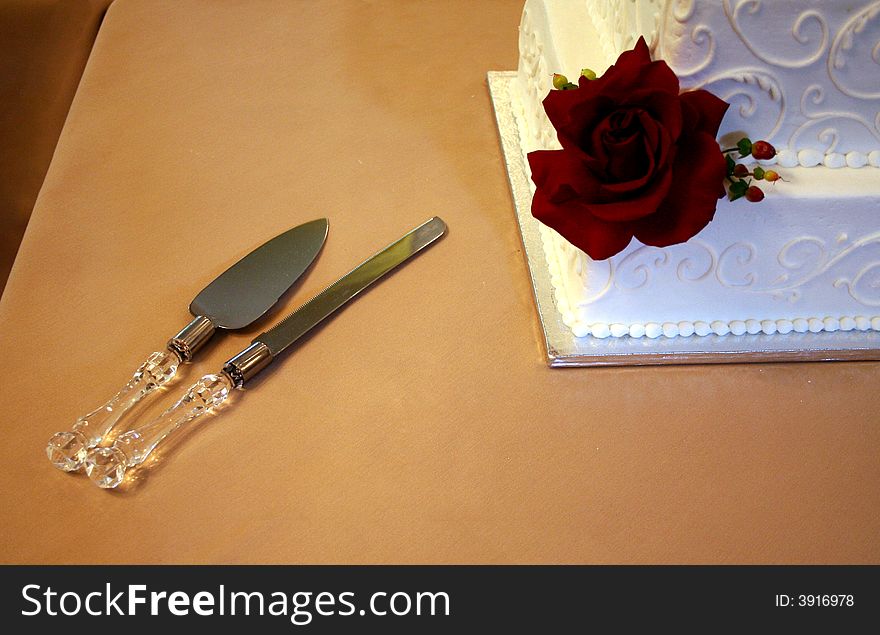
x=811, y=158
x=654, y=330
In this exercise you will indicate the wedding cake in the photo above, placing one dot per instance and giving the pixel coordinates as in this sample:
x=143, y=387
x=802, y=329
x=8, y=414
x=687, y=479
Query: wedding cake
x=796, y=252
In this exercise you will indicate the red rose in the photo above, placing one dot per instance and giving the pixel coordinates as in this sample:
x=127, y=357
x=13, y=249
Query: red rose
x=638, y=159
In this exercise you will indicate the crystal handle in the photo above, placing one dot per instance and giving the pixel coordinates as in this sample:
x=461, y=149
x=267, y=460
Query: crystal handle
x=107, y=466
x=67, y=450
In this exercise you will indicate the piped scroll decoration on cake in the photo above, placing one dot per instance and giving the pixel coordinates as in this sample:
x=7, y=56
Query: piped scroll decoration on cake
x=801, y=261
x=738, y=255
x=625, y=21
x=828, y=127
x=864, y=283
x=700, y=36
x=813, y=46
x=827, y=130
x=804, y=260
x=845, y=44
x=799, y=33
x=750, y=91
x=690, y=269
x=683, y=10
x=636, y=269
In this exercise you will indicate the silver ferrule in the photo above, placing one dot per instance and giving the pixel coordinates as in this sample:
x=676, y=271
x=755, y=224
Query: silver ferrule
x=192, y=337
x=248, y=363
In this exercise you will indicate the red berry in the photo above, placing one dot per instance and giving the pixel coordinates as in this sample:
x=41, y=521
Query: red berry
x=740, y=170
x=754, y=194
x=771, y=175
x=762, y=150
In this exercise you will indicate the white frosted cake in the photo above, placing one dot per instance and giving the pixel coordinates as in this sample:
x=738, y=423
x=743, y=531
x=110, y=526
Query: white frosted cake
x=803, y=75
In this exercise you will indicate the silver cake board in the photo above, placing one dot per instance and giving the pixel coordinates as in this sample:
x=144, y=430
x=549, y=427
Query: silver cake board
x=564, y=349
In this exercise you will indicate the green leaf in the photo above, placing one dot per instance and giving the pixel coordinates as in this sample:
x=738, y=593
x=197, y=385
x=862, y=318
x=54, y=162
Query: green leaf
x=737, y=189
x=739, y=186
x=731, y=165
x=744, y=146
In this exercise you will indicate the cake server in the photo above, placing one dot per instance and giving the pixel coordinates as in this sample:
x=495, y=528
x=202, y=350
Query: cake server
x=234, y=300
x=107, y=466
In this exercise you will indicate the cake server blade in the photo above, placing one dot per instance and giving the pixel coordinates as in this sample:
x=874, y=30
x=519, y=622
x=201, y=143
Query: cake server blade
x=244, y=292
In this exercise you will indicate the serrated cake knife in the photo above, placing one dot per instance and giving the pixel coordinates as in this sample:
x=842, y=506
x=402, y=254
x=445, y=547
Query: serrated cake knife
x=107, y=466
x=234, y=300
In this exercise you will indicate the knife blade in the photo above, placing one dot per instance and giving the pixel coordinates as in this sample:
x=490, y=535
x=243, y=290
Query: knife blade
x=235, y=299
x=107, y=466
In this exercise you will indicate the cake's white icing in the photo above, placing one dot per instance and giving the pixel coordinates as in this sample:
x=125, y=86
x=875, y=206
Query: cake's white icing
x=802, y=74
x=807, y=258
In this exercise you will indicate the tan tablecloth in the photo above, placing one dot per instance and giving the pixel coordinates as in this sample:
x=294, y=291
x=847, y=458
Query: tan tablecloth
x=421, y=424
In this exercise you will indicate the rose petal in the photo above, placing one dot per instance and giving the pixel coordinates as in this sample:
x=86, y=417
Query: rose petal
x=663, y=108
x=624, y=143
x=697, y=173
x=665, y=148
x=656, y=138
x=666, y=113
x=562, y=174
x=599, y=239
x=633, y=70
x=652, y=173
x=626, y=155
x=584, y=117
x=627, y=159
x=623, y=190
x=573, y=111
x=642, y=203
x=703, y=111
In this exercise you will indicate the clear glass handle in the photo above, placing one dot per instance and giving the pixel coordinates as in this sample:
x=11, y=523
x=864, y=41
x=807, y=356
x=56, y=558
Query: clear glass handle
x=107, y=466
x=67, y=450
